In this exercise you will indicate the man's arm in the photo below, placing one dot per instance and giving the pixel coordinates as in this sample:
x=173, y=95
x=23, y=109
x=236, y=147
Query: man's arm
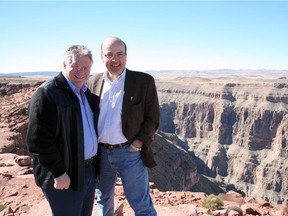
x=41, y=133
x=151, y=115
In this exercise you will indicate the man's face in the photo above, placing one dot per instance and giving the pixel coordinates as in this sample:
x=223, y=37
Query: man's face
x=79, y=70
x=114, y=56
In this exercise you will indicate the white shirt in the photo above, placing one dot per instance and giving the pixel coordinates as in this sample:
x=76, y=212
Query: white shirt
x=109, y=123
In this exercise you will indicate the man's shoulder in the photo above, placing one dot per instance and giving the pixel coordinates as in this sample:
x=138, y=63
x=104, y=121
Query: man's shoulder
x=139, y=74
x=56, y=81
x=54, y=85
x=47, y=85
x=95, y=76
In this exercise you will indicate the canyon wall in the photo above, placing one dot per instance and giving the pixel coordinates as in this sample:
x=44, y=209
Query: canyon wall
x=217, y=132
x=234, y=128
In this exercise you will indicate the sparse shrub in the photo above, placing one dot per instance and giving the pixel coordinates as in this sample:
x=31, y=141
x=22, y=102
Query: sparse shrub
x=212, y=202
x=5, y=165
x=23, y=111
x=2, y=207
x=18, y=141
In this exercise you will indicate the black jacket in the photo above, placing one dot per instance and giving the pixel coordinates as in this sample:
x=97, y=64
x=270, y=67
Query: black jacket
x=55, y=135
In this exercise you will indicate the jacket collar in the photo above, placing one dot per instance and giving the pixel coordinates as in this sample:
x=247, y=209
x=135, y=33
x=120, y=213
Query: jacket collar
x=60, y=81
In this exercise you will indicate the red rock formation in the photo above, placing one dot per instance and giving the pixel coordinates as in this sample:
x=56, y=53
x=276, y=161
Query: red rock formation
x=213, y=128
x=235, y=128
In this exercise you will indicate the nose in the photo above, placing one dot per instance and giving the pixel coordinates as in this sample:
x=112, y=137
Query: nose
x=114, y=58
x=80, y=69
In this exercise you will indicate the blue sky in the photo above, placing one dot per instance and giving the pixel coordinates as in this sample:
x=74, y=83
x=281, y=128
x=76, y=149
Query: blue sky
x=160, y=35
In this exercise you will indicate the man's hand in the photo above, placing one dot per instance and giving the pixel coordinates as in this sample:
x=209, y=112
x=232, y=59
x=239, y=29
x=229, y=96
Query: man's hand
x=135, y=146
x=62, y=182
x=137, y=143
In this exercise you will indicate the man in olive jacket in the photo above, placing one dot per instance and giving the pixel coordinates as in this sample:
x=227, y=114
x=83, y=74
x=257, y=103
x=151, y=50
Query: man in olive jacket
x=128, y=120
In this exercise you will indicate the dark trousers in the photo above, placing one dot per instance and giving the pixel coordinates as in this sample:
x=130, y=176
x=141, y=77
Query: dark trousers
x=74, y=203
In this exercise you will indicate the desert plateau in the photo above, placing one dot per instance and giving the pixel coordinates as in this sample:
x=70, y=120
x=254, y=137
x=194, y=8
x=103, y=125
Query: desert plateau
x=222, y=132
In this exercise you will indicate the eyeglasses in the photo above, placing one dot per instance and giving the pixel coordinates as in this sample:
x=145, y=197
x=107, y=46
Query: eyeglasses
x=119, y=55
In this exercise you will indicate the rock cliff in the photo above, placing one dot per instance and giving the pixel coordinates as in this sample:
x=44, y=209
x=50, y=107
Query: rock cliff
x=217, y=133
x=234, y=127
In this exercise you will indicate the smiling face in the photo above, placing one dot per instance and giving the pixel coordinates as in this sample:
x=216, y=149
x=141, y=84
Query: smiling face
x=114, y=56
x=78, y=70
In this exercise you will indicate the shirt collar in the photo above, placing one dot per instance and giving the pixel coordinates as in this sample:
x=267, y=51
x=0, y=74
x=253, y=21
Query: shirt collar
x=72, y=86
x=119, y=78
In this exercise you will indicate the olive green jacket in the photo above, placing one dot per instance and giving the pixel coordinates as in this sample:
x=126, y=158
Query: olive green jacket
x=140, y=109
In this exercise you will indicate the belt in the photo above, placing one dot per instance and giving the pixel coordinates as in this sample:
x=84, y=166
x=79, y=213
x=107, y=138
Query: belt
x=113, y=146
x=88, y=162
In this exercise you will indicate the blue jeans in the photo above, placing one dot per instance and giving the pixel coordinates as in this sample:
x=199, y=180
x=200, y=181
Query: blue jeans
x=135, y=180
x=74, y=203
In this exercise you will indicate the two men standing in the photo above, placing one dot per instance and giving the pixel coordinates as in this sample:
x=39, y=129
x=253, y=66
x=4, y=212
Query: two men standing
x=62, y=133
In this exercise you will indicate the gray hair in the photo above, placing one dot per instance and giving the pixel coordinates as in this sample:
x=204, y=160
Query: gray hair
x=76, y=50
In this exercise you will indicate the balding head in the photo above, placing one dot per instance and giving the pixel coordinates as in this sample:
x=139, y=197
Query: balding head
x=113, y=40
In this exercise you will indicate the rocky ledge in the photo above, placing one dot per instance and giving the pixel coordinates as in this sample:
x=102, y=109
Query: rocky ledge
x=22, y=197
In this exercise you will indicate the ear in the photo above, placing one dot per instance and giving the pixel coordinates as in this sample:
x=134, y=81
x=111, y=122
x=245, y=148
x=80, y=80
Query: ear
x=64, y=64
x=102, y=57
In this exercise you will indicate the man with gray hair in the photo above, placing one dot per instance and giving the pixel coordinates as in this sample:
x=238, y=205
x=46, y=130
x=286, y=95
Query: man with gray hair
x=62, y=138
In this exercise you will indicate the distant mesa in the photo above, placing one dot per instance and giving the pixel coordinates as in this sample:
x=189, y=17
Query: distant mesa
x=280, y=74
x=28, y=74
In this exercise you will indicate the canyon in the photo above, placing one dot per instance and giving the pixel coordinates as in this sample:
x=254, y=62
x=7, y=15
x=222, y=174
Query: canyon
x=233, y=125
x=219, y=131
